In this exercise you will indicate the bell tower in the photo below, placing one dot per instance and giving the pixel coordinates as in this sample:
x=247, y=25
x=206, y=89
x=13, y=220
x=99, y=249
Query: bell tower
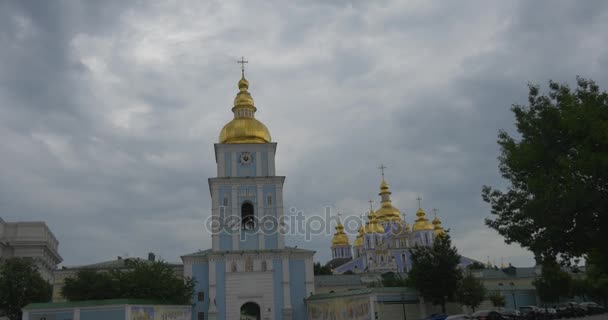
x=248, y=271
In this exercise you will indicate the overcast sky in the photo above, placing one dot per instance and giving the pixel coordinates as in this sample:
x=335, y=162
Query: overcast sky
x=109, y=109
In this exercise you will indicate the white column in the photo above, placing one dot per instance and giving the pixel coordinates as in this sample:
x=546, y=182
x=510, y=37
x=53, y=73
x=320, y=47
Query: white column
x=212, y=286
x=286, y=292
x=220, y=164
x=235, y=213
x=215, y=202
x=258, y=164
x=233, y=164
x=310, y=283
x=260, y=214
x=77, y=313
x=279, y=216
x=271, y=163
x=25, y=315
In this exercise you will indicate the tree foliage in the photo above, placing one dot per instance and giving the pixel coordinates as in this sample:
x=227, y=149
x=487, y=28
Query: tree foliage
x=435, y=272
x=557, y=166
x=471, y=292
x=553, y=283
x=391, y=279
x=476, y=265
x=321, y=270
x=497, y=299
x=143, y=279
x=21, y=284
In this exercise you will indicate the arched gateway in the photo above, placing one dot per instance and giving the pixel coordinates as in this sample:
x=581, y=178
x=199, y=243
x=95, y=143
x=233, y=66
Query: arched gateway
x=250, y=311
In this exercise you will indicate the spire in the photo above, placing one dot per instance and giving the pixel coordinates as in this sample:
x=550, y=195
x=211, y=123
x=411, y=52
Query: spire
x=244, y=128
x=372, y=226
x=387, y=211
x=437, y=224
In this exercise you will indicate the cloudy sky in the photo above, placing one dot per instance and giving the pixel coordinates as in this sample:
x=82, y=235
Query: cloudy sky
x=109, y=109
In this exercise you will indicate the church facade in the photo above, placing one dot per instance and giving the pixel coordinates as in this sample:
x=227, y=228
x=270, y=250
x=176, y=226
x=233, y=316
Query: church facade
x=248, y=273
x=383, y=244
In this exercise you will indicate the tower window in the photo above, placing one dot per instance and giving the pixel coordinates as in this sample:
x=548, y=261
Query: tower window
x=247, y=217
x=269, y=200
x=264, y=267
x=225, y=203
x=201, y=296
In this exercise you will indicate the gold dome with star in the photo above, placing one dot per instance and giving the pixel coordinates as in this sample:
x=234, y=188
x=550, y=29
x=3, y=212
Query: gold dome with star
x=244, y=128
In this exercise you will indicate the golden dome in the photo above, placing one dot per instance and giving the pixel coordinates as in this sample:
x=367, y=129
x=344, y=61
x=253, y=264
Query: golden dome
x=437, y=226
x=372, y=226
x=387, y=211
x=340, y=238
x=359, y=240
x=422, y=223
x=244, y=128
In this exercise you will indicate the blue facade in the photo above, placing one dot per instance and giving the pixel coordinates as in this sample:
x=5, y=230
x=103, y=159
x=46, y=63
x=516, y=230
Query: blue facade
x=200, y=272
x=55, y=315
x=297, y=281
x=220, y=288
x=277, y=283
x=103, y=314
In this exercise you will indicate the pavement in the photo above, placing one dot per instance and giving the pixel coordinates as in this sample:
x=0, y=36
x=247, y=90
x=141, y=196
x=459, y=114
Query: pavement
x=595, y=317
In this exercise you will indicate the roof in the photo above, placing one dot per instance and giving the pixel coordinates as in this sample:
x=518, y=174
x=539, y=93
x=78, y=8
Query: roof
x=91, y=303
x=203, y=253
x=401, y=291
x=336, y=262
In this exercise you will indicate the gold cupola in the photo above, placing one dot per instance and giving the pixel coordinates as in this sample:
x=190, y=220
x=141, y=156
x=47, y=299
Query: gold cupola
x=422, y=223
x=244, y=128
x=340, y=238
x=359, y=240
x=438, y=228
x=387, y=211
x=372, y=225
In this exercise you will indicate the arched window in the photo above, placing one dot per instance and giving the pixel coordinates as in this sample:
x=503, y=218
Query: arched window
x=269, y=200
x=264, y=267
x=247, y=217
x=233, y=266
x=225, y=203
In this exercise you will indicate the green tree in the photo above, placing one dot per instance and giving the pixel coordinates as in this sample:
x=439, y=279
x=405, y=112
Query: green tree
x=21, y=284
x=391, y=279
x=143, y=279
x=597, y=277
x=497, y=299
x=475, y=265
x=553, y=282
x=557, y=166
x=435, y=272
x=471, y=292
x=321, y=270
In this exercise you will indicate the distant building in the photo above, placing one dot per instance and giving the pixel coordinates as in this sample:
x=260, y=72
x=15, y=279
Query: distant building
x=30, y=240
x=115, y=309
x=119, y=263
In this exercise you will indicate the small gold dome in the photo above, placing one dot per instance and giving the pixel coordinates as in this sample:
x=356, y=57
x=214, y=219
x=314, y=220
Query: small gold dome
x=422, y=223
x=340, y=238
x=244, y=128
x=372, y=226
x=437, y=226
x=359, y=240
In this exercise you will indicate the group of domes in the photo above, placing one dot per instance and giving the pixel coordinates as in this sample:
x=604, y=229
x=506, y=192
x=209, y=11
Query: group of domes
x=387, y=219
x=245, y=128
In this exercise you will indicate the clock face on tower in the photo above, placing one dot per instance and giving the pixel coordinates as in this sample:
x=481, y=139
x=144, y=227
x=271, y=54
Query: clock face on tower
x=245, y=158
